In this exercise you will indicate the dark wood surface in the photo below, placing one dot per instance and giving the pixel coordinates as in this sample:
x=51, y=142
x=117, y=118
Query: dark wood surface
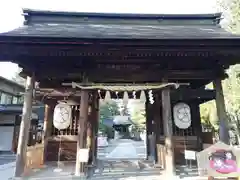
x=113, y=52
x=68, y=150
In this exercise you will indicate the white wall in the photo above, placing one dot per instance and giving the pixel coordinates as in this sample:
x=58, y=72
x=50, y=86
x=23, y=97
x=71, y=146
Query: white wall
x=6, y=132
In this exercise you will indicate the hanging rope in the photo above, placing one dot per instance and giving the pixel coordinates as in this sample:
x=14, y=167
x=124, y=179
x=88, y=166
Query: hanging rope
x=123, y=87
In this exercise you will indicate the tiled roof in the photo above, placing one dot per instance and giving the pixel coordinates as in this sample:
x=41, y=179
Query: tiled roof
x=119, y=26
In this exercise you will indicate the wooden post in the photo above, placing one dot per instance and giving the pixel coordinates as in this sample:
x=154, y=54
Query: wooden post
x=148, y=127
x=24, y=128
x=79, y=169
x=48, y=120
x=94, y=120
x=89, y=134
x=197, y=124
x=96, y=129
x=221, y=112
x=167, y=125
x=158, y=119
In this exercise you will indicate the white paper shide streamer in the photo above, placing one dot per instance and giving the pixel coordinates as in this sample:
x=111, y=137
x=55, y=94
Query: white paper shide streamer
x=125, y=98
x=107, y=97
x=62, y=116
x=182, y=115
x=142, y=97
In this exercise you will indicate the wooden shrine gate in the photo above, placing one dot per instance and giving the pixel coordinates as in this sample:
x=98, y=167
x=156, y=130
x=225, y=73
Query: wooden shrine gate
x=54, y=48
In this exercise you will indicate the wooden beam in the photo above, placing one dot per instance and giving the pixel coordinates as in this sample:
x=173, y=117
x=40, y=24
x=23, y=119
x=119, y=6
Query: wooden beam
x=193, y=94
x=200, y=94
x=126, y=48
x=167, y=125
x=152, y=75
x=24, y=127
x=221, y=111
x=79, y=169
x=100, y=75
x=140, y=77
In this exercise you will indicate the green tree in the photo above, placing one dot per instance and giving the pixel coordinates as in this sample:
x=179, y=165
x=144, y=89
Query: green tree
x=231, y=85
x=138, y=116
x=233, y=9
x=107, y=111
x=208, y=113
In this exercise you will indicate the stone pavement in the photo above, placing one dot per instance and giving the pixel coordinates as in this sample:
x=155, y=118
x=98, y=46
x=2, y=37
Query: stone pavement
x=7, y=171
x=137, y=148
x=116, y=162
x=7, y=165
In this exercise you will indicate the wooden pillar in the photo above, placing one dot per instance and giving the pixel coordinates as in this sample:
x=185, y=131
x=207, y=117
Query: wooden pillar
x=148, y=127
x=94, y=125
x=195, y=112
x=79, y=169
x=221, y=112
x=167, y=125
x=96, y=129
x=159, y=145
x=24, y=127
x=90, y=130
x=47, y=127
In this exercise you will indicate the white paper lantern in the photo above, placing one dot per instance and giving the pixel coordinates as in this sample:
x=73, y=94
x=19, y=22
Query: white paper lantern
x=182, y=115
x=62, y=116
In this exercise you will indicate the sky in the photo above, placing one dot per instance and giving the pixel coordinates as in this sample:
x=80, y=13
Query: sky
x=12, y=9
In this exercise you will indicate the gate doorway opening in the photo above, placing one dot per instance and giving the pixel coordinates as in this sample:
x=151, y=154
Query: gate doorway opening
x=122, y=132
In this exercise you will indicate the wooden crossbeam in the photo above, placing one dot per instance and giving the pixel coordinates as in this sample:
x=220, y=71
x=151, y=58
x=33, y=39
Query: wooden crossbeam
x=52, y=81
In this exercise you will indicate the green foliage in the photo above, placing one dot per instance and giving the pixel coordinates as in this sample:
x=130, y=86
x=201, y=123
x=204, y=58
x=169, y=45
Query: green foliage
x=107, y=111
x=138, y=116
x=234, y=11
x=231, y=85
x=209, y=115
